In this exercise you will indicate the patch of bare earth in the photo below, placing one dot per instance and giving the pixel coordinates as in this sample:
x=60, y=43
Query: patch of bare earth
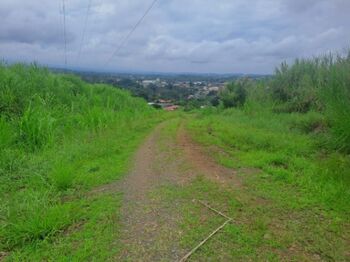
x=2, y=255
x=204, y=163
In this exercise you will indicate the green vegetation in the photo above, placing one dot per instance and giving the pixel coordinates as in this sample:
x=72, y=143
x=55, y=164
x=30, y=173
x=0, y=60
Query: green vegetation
x=234, y=94
x=277, y=145
x=295, y=127
x=320, y=85
x=289, y=207
x=59, y=139
x=289, y=141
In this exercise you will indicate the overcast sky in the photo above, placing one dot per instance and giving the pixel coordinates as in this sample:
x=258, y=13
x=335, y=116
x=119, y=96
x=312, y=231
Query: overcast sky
x=217, y=36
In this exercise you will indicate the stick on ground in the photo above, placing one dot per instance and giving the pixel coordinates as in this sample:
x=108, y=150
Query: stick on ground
x=212, y=234
x=213, y=209
x=205, y=240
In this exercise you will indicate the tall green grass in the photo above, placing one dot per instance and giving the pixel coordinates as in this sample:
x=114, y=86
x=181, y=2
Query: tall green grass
x=319, y=84
x=336, y=97
x=60, y=137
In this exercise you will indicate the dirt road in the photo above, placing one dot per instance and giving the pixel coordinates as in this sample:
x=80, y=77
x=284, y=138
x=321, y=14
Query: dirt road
x=150, y=230
x=159, y=221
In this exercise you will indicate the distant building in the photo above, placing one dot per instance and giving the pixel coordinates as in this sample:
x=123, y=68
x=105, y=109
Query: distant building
x=171, y=108
x=165, y=104
x=148, y=82
x=214, y=88
x=163, y=101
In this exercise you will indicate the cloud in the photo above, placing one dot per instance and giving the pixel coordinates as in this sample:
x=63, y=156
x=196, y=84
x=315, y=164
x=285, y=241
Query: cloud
x=221, y=36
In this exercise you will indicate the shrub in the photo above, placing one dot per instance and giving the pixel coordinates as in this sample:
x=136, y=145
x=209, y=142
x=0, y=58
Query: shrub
x=234, y=94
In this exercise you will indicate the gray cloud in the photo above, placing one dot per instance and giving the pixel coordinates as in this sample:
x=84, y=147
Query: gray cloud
x=178, y=35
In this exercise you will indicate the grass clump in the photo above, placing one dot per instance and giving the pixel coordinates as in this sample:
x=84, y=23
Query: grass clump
x=62, y=176
x=36, y=128
x=34, y=217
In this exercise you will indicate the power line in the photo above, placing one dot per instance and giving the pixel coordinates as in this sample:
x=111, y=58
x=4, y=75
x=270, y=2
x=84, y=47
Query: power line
x=64, y=32
x=84, y=30
x=126, y=38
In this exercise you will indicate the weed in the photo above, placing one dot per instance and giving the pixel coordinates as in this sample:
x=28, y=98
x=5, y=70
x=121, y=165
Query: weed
x=62, y=176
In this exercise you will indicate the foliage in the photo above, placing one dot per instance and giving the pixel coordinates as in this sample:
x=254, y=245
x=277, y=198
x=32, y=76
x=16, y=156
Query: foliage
x=235, y=93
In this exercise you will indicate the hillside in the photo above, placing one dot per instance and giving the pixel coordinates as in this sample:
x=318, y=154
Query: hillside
x=59, y=138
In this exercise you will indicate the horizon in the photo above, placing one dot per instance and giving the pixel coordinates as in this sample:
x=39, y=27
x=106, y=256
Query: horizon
x=121, y=72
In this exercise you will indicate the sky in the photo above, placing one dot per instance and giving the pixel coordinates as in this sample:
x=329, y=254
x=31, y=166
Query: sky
x=198, y=36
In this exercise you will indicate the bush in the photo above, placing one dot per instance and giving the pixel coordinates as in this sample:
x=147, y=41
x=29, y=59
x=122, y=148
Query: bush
x=234, y=94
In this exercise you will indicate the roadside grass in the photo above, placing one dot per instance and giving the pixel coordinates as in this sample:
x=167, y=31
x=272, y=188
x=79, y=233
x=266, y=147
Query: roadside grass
x=92, y=237
x=286, y=155
x=262, y=230
x=38, y=217
x=61, y=138
x=291, y=207
x=239, y=240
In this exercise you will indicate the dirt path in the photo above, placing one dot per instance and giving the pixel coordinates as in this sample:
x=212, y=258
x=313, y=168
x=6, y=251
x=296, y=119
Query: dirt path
x=149, y=228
